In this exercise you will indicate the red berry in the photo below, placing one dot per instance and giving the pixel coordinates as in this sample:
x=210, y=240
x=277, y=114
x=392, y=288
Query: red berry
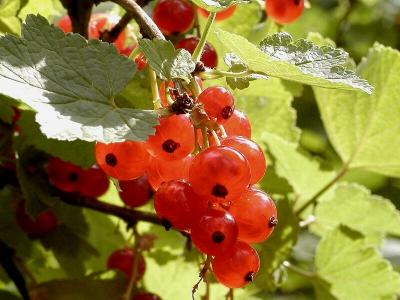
x=124, y=161
x=64, y=175
x=174, y=138
x=94, y=182
x=65, y=24
x=238, y=124
x=236, y=267
x=284, y=11
x=209, y=55
x=255, y=214
x=215, y=233
x=221, y=15
x=218, y=103
x=141, y=62
x=176, y=203
x=174, y=16
x=146, y=296
x=160, y=171
x=136, y=192
x=44, y=223
x=253, y=154
x=219, y=173
x=122, y=260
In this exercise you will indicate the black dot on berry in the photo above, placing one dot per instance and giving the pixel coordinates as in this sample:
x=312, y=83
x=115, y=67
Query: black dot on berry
x=111, y=160
x=166, y=223
x=249, y=277
x=73, y=177
x=170, y=146
x=272, y=222
x=218, y=237
x=219, y=191
x=227, y=112
x=297, y=2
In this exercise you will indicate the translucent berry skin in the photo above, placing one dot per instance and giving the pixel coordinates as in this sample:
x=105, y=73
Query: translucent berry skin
x=215, y=233
x=174, y=138
x=160, y=171
x=284, y=11
x=255, y=214
x=253, y=154
x=218, y=103
x=221, y=15
x=123, y=161
x=176, y=202
x=173, y=16
x=220, y=173
x=94, y=182
x=122, y=260
x=45, y=223
x=238, y=124
x=64, y=175
x=209, y=55
x=146, y=296
x=136, y=192
x=236, y=267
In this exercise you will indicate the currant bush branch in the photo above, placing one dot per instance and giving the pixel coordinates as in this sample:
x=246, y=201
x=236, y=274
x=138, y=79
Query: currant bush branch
x=111, y=35
x=79, y=12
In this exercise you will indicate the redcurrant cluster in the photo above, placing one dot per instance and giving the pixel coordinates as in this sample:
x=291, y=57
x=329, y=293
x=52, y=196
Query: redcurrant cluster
x=202, y=164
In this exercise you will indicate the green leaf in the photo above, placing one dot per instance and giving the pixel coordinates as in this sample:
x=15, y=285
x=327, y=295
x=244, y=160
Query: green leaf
x=351, y=205
x=166, y=61
x=4, y=295
x=236, y=65
x=137, y=94
x=300, y=61
x=268, y=106
x=363, y=129
x=46, y=8
x=352, y=269
x=71, y=83
x=279, y=246
x=77, y=152
x=6, y=109
x=217, y=5
x=8, y=16
x=302, y=173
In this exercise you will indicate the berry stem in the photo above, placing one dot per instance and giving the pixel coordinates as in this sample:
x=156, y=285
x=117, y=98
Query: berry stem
x=135, y=52
x=223, y=131
x=216, y=138
x=314, y=199
x=202, y=275
x=206, y=144
x=200, y=46
x=215, y=74
x=154, y=89
x=135, y=263
x=230, y=295
x=297, y=270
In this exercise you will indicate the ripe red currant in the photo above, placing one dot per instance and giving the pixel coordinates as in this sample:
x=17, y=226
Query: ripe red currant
x=136, y=192
x=177, y=204
x=255, y=214
x=123, y=161
x=94, y=182
x=238, y=124
x=65, y=24
x=284, y=11
x=221, y=15
x=160, y=171
x=219, y=173
x=44, y=223
x=173, y=16
x=64, y=175
x=146, y=296
x=122, y=260
x=236, y=267
x=174, y=138
x=141, y=62
x=215, y=233
x=218, y=103
x=253, y=154
x=209, y=55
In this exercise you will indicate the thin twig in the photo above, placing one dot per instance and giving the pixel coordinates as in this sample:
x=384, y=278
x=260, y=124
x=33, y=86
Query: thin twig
x=230, y=295
x=202, y=275
x=135, y=264
x=110, y=36
x=297, y=270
